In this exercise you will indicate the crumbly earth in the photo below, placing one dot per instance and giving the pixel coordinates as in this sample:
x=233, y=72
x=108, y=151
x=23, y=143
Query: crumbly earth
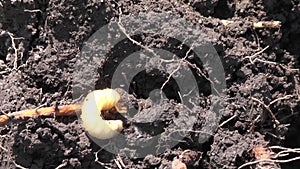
x=40, y=42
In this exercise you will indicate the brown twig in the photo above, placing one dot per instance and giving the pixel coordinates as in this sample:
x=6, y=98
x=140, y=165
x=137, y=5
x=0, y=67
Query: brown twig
x=66, y=110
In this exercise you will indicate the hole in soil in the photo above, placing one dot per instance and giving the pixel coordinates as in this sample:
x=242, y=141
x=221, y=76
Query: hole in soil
x=205, y=8
x=293, y=137
x=292, y=141
x=145, y=85
x=143, y=82
x=4, y=47
x=288, y=13
x=224, y=10
x=292, y=43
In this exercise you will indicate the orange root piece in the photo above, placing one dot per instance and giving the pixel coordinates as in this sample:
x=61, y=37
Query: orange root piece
x=66, y=110
x=3, y=119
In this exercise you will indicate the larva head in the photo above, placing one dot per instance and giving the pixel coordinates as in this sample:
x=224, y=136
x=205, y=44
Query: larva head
x=108, y=99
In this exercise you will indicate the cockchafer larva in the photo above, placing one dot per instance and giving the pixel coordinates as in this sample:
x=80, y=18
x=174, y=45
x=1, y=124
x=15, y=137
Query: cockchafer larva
x=94, y=104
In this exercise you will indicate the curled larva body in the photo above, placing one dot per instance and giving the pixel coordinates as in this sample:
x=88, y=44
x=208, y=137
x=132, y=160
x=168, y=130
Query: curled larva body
x=94, y=103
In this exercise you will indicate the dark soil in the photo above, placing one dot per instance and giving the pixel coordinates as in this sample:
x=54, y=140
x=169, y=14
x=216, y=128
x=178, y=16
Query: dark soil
x=49, y=36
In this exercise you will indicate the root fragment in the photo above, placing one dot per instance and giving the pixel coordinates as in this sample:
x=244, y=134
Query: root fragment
x=62, y=165
x=66, y=110
x=265, y=157
x=267, y=107
x=19, y=166
x=275, y=121
x=267, y=24
x=257, y=25
x=4, y=149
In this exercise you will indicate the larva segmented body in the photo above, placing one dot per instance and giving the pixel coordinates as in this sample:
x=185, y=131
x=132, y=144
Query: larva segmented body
x=96, y=102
